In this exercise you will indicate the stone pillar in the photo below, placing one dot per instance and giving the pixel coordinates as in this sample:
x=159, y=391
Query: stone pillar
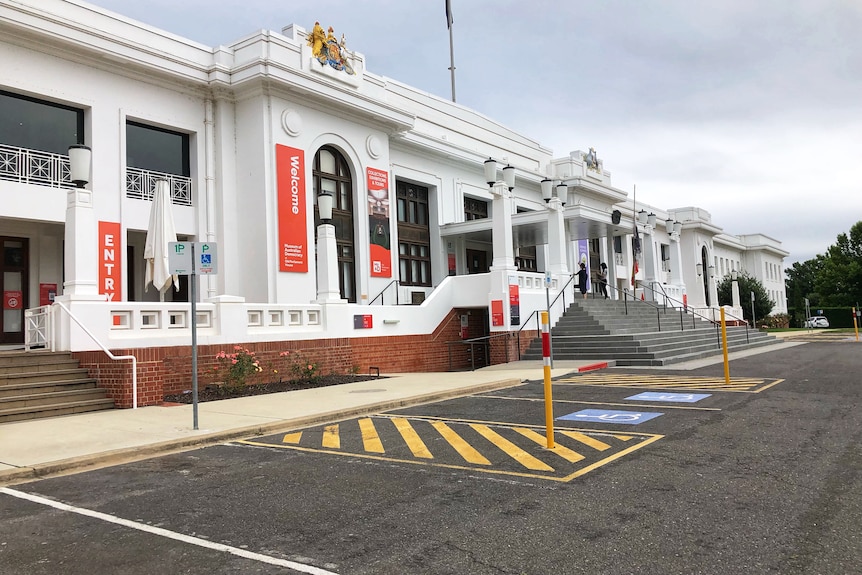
x=556, y=239
x=81, y=245
x=503, y=265
x=327, y=266
x=649, y=261
x=501, y=214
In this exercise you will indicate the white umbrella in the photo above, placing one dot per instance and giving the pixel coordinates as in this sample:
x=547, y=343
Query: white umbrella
x=160, y=232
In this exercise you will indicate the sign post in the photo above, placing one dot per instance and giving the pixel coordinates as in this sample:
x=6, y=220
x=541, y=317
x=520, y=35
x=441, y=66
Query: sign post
x=182, y=261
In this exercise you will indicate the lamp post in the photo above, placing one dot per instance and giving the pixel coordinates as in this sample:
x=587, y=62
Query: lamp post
x=80, y=252
x=327, y=253
x=752, y=310
x=734, y=288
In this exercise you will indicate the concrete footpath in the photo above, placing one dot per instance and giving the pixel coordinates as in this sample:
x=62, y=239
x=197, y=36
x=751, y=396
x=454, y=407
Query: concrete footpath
x=40, y=448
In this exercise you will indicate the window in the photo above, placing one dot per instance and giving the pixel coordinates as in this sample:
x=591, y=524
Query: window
x=332, y=174
x=414, y=249
x=526, y=259
x=475, y=209
x=665, y=257
x=157, y=150
x=38, y=125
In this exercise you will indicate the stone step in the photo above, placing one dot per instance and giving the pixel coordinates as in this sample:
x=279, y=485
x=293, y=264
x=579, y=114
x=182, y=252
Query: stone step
x=10, y=379
x=46, y=387
x=58, y=397
x=54, y=410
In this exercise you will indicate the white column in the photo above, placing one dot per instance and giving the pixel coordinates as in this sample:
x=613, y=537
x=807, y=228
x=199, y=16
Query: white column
x=327, y=266
x=611, y=260
x=648, y=250
x=81, y=250
x=503, y=264
x=675, y=260
x=556, y=239
x=501, y=213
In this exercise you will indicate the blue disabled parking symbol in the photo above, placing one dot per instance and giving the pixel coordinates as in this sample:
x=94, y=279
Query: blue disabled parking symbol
x=606, y=416
x=663, y=396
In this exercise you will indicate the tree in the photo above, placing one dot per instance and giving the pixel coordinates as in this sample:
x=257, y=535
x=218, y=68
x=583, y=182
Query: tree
x=840, y=278
x=799, y=285
x=833, y=279
x=747, y=284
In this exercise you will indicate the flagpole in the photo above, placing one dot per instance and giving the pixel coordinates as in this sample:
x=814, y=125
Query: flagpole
x=449, y=22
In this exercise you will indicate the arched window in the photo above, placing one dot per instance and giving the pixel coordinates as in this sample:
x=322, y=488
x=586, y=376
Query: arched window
x=332, y=174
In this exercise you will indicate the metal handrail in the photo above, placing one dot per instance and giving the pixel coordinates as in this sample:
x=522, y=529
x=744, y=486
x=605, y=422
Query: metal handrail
x=484, y=341
x=380, y=295
x=107, y=351
x=682, y=305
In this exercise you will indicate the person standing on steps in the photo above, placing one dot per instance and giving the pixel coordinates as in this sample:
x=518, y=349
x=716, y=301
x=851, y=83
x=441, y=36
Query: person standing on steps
x=582, y=279
x=602, y=279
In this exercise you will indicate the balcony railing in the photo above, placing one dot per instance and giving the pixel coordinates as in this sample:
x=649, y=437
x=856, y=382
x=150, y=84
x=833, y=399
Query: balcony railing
x=34, y=167
x=46, y=169
x=141, y=184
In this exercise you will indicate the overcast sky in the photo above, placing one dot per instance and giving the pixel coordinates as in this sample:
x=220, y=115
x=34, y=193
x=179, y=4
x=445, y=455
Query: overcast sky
x=751, y=110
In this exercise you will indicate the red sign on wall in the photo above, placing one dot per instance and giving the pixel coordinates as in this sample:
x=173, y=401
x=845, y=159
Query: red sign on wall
x=47, y=292
x=110, y=260
x=378, y=223
x=292, y=226
x=497, y=312
x=13, y=299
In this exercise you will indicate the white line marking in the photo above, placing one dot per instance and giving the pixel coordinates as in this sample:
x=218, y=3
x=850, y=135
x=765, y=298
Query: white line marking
x=302, y=568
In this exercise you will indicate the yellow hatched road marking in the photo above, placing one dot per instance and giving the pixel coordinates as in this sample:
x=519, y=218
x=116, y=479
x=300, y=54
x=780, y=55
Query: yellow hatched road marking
x=587, y=440
x=411, y=438
x=292, y=437
x=331, y=439
x=564, y=452
x=511, y=449
x=463, y=448
x=370, y=439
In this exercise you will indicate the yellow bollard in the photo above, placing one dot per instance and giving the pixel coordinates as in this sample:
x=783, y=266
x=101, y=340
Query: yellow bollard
x=855, y=324
x=546, y=366
x=724, y=345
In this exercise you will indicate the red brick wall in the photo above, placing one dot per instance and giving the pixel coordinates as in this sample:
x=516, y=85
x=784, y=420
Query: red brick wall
x=168, y=370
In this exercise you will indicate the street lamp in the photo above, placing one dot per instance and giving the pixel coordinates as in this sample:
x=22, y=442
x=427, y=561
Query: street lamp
x=562, y=192
x=699, y=269
x=651, y=220
x=642, y=217
x=547, y=189
x=677, y=227
x=668, y=224
x=324, y=206
x=80, y=162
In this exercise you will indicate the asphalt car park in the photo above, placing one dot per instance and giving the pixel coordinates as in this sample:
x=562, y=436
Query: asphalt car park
x=666, y=471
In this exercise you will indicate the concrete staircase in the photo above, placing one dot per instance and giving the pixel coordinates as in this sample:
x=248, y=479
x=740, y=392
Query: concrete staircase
x=638, y=333
x=38, y=384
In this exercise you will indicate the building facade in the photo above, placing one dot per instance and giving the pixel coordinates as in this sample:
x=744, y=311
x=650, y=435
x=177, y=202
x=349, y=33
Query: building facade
x=428, y=242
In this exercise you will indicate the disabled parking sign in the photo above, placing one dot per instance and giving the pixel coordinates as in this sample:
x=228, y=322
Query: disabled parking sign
x=607, y=416
x=675, y=397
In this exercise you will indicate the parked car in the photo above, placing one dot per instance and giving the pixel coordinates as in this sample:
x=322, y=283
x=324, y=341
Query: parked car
x=817, y=321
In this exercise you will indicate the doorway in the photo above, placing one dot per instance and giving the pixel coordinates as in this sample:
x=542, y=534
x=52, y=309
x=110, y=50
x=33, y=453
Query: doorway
x=14, y=280
x=477, y=262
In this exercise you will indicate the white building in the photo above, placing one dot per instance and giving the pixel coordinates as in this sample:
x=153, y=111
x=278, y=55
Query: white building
x=421, y=250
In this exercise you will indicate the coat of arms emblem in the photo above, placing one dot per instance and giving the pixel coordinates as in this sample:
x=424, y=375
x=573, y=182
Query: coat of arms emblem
x=327, y=50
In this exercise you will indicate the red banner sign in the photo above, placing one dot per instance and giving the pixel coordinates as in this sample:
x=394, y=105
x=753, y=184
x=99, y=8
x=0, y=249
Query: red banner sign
x=378, y=223
x=292, y=226
x=110, y=261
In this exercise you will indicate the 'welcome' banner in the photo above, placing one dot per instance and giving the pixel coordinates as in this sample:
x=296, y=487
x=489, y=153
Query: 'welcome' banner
x=292, y=230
